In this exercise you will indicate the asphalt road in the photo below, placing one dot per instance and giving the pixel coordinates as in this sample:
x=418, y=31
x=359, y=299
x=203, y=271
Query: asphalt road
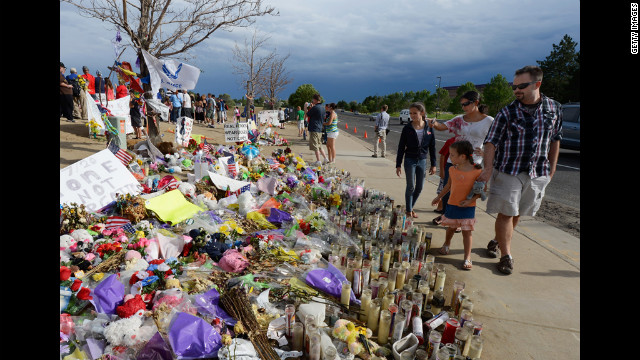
x=564, y=187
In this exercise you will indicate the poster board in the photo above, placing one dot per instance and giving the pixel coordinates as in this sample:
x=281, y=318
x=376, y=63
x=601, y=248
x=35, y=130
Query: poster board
x=119, y=107
x=266, y=117
x=184, y=125
x=95, y=180
x=235, y=132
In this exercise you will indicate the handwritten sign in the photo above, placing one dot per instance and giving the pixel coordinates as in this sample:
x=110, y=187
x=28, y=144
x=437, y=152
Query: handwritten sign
x=268, y=117
x=94, y=181
x=234, y=132
x=184, y=125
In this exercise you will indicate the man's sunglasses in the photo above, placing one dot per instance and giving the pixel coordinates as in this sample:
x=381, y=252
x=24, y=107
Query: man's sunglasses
x=523, y=85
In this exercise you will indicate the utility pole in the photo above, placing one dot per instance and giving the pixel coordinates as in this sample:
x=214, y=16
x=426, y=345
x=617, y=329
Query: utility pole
x=438, y=96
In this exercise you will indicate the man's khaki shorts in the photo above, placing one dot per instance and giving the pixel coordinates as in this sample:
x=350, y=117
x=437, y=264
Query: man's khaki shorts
x=515, y=195
x=315, y=141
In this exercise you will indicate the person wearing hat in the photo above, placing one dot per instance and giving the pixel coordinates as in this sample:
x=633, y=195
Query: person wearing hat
x=66, y=96
x=100, y=84
x=91, y=82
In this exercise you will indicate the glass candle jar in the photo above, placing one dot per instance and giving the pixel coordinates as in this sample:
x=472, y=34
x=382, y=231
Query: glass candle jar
x=435, y=338
x=365, y=299
x=374, y=315
x=290, y=316
x=298, y=336
x=382, y=287
x=440, y=278
x=458, y=286
x=346, y=293
x=475, y=347
x=387, y=300
x=391, y=279
x=398, y=327
x=384, y=327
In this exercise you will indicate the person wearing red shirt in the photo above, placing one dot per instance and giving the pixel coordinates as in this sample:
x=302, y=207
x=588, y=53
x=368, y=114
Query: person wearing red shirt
x=91, y=82
x=121, y=90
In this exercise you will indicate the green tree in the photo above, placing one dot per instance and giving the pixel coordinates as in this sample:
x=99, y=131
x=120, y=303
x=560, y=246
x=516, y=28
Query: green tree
x=497, y=94
x=559, y=68
x=454, y=106
x=303, y=94
x=342, y=104
x=441, y=100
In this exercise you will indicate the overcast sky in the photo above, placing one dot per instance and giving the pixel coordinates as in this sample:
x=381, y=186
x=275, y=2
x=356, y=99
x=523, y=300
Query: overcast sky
x=351, y=49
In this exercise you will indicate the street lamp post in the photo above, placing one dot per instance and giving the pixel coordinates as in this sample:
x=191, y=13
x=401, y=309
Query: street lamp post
x=438, y=96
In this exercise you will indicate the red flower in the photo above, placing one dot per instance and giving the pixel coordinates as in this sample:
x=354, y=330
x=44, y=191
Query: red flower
x=76, y=285
x=65, y=273
x=131, y=306
x=156, y=261
x=187, y=247
x=84, y=294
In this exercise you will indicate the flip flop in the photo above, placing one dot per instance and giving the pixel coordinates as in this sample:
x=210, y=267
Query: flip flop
x=413, y=214
x=444, y=250
x=437, y=221
x=467, y=265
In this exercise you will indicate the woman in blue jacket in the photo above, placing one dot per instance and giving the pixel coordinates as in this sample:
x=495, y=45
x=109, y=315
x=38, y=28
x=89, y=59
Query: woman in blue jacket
x=416, y=141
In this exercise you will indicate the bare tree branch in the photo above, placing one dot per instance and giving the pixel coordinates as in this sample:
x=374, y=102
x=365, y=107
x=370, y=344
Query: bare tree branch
x=275, y=79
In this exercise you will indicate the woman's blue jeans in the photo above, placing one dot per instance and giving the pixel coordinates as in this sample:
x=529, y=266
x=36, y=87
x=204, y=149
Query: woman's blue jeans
x=415, y=171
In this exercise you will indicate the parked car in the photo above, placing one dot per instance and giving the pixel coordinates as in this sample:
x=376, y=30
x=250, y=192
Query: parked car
x=570, y=126
x=374, y=116
x=404, y=116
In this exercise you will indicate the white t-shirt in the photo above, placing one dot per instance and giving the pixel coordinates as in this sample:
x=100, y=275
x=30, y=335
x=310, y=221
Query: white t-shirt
x=473, y=132
x=186, y=102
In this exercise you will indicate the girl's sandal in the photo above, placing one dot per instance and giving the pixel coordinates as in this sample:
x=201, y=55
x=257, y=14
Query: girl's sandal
x=467, y=265
x=414, y=215
x=444, y=250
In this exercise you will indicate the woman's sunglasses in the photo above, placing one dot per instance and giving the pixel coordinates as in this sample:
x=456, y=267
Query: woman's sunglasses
x=465, y=103
x=523, y=85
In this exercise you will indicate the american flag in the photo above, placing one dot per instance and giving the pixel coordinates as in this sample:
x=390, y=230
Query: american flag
x=115, y=222
x=242, y=189
x=231, y=166
x=207, y=148
x=273, y=164
x=171, y=184
x=122, y=154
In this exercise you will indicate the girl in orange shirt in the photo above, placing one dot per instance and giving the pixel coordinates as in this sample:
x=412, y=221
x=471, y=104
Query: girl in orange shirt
x=460, y=211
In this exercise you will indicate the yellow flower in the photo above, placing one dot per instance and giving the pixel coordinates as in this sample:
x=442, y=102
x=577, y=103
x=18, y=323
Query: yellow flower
x=97, y=276
x=139, y=234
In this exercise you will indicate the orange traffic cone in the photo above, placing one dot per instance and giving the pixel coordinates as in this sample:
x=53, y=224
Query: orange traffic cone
x=365, y=134
x=346, y=126
x=355, y=130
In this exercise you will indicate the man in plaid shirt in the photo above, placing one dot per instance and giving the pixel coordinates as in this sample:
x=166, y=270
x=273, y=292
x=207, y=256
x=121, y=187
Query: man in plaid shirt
x=520, y=157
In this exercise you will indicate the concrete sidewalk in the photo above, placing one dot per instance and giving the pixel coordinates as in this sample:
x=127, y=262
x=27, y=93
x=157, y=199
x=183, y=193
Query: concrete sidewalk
x=533, y=313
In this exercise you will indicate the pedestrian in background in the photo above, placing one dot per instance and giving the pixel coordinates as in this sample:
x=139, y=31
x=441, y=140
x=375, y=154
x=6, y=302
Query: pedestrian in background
x=316, y=116
x=186, y=105
x=380, y=128
x=331, y=128
x=121, y=90
x=416, y=142
x=100, y=86
x=461, y=212
x=66, y=96
x=520, y=156
x=91, y=82
x=176, y=106
x=300, y=117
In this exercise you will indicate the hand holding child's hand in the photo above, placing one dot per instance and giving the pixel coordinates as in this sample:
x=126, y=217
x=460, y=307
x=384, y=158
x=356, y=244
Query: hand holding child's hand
x=435, y=201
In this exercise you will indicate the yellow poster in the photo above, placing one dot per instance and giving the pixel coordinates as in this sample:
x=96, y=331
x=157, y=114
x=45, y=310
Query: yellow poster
x=172, y=207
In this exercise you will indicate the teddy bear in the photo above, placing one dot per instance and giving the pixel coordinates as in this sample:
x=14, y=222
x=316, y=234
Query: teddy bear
x=210, y=202
x=172, y=159
x=478, y=188
x=188, y=190
x=346, y=331
x=84, y=240
x=67, y=245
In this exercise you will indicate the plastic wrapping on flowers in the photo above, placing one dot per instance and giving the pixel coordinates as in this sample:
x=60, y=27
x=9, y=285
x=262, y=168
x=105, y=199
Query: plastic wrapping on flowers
x=140, y=286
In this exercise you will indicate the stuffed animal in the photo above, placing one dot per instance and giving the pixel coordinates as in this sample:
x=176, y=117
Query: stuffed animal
x=188, y=190
x=84, y=240
x=172, y=159
x=210, y=202
x=478, y=188
x=67, y=245
x=346, y=331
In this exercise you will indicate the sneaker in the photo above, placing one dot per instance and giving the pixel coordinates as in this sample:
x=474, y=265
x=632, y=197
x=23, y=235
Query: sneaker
x=325, y=161
x=492, y=249
x=374, y=155
x=505, y=265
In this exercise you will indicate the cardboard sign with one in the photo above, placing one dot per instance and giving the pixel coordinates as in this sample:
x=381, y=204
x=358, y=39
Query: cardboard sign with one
x=94, y=181
x=235, y=132
x=266, y=117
